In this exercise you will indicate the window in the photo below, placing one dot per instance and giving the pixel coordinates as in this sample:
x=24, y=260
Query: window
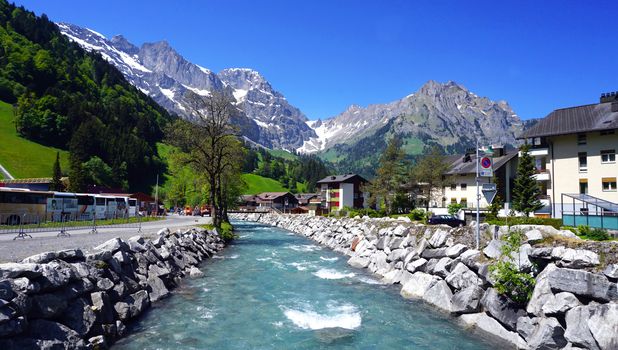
x=464, y=202
x=583, y=186
x=581, y=139
x=101, y=201
x=609, y=184
x=583, y=161
x=453, y=200
x=608, y=156
x=608, y=132
x=464, y=187
x=453, y=187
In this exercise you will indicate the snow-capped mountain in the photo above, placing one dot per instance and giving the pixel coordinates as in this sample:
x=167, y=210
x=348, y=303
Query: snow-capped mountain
x=446, y=114
x=264, y=115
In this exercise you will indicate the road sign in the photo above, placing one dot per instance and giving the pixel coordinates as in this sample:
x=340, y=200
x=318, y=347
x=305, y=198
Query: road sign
x=489, y=191
x=486, y=167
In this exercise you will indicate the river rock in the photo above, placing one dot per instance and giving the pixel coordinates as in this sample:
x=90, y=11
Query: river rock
x=533, y=236
x=79, y=316
x=527, y=325
x=542, y=292
x=48, y=305
x=418, y=285
x=98, y=343
x=577, y=329
x=575, y=258
x=105, y=284
x=603, y=324
x=611, y=271
x=12, y=327
x=492, y=328
x=416, y=265
x=55, y=333
x=6, y=287
x=438, y=239
x=543, y=253
x=194, y=272
x=41, y=258
x=467, y=300
x=439, y=295
x=582, y=283
x=113, y=245
x=102, y=307
x=360, y=262
x=455, y=250
x=442, y=267
x=435, y=253
x=471, y=258
x=13, y=270
x=492, y=250
x=560, y=303
x=548, y=334
x=462, y=277
x=156, y=288
x=502, y=308
x=397, y=255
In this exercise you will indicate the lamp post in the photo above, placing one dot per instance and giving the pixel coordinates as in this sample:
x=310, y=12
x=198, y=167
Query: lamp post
x=478, y=199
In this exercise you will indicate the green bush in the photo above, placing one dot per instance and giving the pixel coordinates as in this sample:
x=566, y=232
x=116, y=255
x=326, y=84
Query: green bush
x=226, y=232
x=556, y=223
x=594, y=234
x=454, y=208
x=510, y=281
x=418, y=215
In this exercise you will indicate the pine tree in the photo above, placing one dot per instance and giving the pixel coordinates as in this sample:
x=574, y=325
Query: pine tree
x=526, y=190
x=387, y=185
x=56, y=184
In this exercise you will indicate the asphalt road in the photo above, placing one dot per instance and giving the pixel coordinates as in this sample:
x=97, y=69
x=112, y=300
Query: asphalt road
x=16, y=250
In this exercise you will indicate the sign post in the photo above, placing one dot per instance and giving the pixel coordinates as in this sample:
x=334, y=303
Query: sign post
x=486, y=169
x=489, y=191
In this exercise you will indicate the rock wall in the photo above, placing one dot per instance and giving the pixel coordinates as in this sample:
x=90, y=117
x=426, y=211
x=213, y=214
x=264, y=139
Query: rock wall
x=72, y=300
x=574, y=304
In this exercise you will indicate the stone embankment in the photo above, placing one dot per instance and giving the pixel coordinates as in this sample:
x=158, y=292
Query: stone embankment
x=575, y=300
x=71, y=300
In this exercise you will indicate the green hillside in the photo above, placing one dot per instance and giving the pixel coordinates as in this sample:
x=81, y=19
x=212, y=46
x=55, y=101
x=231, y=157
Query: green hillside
x=258, y=184
x=21, y=157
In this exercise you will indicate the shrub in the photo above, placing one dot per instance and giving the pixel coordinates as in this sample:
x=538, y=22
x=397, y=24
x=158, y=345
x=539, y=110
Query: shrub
x=418, y=215
x=510, y=221
x=454, y=208
x=226, y=232
x=510, y=281
x=594, y=234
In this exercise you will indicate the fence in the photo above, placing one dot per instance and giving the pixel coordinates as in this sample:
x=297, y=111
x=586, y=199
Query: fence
x=25, y=224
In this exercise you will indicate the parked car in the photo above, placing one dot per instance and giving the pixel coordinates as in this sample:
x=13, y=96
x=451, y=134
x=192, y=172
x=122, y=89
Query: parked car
x=450, y=220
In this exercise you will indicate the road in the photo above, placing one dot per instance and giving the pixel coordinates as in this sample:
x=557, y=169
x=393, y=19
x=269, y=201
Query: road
x=15, y=250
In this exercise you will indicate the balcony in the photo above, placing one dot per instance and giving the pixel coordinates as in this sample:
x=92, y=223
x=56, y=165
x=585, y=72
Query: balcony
x=545, y=200
x=542, y=175
x=537, y=152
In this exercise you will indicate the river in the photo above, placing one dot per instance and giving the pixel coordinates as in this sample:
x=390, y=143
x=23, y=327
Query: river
x=271, y=289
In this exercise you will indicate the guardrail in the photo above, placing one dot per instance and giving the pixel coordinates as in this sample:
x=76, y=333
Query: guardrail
x=25, y=224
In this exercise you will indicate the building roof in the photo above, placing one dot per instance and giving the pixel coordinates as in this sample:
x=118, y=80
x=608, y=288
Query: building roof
x=40, y=180
x=341, y=178
x=272, y=195
x=460, y=166
x=572, y=120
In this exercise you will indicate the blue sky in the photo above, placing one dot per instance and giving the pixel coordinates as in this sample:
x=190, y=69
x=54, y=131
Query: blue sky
x=325, y=55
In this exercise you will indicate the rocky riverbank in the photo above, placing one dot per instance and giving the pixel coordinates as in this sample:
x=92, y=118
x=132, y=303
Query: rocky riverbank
x=71, y=300
x=575, y=300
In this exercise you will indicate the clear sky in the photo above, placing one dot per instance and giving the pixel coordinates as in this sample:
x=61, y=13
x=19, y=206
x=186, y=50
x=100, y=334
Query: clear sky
x=324, y=55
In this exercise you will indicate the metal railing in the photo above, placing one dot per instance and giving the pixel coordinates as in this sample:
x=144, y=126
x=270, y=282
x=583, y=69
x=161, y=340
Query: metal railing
x=25, y=224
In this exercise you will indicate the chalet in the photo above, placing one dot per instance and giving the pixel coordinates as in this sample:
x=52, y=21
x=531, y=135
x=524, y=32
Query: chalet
x=278, y=200
x=575, y=155
x=248, y=202
x=462, y=176
x=338, y=191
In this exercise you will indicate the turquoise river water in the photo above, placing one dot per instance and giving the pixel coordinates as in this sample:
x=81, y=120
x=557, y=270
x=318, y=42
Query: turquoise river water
x=272, y=289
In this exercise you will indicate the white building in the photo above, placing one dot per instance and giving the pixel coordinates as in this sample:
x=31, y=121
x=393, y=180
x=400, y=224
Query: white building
x=575, y=153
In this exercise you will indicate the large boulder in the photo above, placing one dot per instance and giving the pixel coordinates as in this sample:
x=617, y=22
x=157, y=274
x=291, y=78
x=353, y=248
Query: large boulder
x=577, y=329
x=467, y=300
x=418, y=285
x=13, y=270
x=502, y=308
x=542, y=292
x=61, y=336
x=611, y=271
x=439, y=295
x=582, y=283
x=575, y=258
x=48, y=305
x=462, y=277
x=560, y=303
x=79, y=316
x=442, y=267
x=438, y=238
x=493, y=329
x=102, y=307
x=492, y=250
x=548, y=334
x=416, y=265
x=360, y=262
x=456, y=250
x=603, y=323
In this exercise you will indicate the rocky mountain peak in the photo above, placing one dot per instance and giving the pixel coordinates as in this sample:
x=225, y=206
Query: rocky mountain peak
x=123, y=44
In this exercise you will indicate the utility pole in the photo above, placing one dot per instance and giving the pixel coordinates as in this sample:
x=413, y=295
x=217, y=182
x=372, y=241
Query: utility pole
x=478, y=198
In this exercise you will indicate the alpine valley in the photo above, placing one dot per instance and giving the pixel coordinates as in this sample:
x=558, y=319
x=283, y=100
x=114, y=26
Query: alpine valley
x=439, y=114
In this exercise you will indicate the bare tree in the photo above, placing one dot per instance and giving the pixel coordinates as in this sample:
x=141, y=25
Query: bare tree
x=210, y=144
